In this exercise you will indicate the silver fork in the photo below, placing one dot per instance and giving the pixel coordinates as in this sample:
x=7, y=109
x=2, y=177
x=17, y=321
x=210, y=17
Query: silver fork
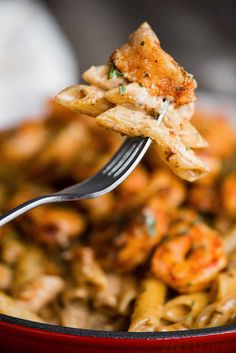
x=108, y=178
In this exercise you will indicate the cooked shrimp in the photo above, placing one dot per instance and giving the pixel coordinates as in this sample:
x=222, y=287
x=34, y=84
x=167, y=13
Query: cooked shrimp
x=189, y=262
x=140, y=238
x=128, y=246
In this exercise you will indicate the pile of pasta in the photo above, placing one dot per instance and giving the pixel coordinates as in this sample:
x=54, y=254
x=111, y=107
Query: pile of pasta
x=128, y=94
x=156, y=254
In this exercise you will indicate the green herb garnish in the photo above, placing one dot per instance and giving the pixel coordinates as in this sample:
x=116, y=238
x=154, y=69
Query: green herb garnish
x=150, y=222
x=187, y=148
x=113, y=72
x=180, y=89
x=122, y=90
x=140, y=84
x=142, y=43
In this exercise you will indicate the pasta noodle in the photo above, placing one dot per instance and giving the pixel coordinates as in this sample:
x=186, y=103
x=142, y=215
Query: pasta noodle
x=148, y=307
x=85, y=99
x=217, y=314
x=9, y=306
x=40, y=292
x=225, y=284
x=169, y=145
x=127, y=94
x=185, y=307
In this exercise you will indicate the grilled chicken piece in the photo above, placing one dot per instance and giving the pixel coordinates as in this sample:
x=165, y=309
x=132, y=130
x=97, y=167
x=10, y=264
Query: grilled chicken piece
x=143, y=60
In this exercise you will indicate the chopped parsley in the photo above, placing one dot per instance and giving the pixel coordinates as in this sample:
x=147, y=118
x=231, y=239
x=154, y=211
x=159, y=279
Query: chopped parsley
x=113, y=72
x=142, y=43
x=150, y=222
x=122, y=90
x=187, y=148
x=180, y=89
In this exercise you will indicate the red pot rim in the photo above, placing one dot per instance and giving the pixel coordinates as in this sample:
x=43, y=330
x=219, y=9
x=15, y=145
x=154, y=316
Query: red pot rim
x=33, y=325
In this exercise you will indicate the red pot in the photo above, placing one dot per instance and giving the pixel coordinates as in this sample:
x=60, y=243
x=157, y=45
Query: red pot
x=17, y=335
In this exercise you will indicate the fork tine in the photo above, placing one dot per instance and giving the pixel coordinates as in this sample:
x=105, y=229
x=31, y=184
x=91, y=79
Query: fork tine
x=136, y=150
x=117, y=157
x=124, y=156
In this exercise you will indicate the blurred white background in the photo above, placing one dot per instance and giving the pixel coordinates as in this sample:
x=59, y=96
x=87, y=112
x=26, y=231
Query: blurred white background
x=36, y=59
x=43, y=43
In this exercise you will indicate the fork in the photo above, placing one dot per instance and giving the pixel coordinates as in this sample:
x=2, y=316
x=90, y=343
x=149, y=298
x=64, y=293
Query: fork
x=108, y=178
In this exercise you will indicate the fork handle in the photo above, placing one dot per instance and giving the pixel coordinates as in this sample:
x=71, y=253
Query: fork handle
x=26, y=206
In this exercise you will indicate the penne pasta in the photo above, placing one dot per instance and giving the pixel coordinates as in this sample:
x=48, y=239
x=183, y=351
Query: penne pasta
x=11, y=307
x=138, y=80
x=5, y=277
x=40, y=292
x=98, y=76
x=185, y=308
x=170, y=148
x=12, y=247
x=86, y=270
x=31, y=265
x=225, y=283
x=84, y=99
x=148, y=306
x=230, y=240
x=219, y=313
x=138, y=98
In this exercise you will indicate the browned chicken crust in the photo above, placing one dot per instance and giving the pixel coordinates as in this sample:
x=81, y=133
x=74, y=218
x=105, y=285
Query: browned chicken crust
x=143, y=60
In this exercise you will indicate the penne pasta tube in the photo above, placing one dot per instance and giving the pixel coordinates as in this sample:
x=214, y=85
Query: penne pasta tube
x=220, y=313
x=102, y=77
x=148, y=306
x=31, y=265
x=86, y=270
x=5, y=276
x=127, y=295
x=11, y=247
x=138, y=98
x=229, y=241
x=169, y=146
x=179, y=326
x=84, y=99
x=185, y=307
x=40, y=292
x=11, y=307
x=224, y=284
